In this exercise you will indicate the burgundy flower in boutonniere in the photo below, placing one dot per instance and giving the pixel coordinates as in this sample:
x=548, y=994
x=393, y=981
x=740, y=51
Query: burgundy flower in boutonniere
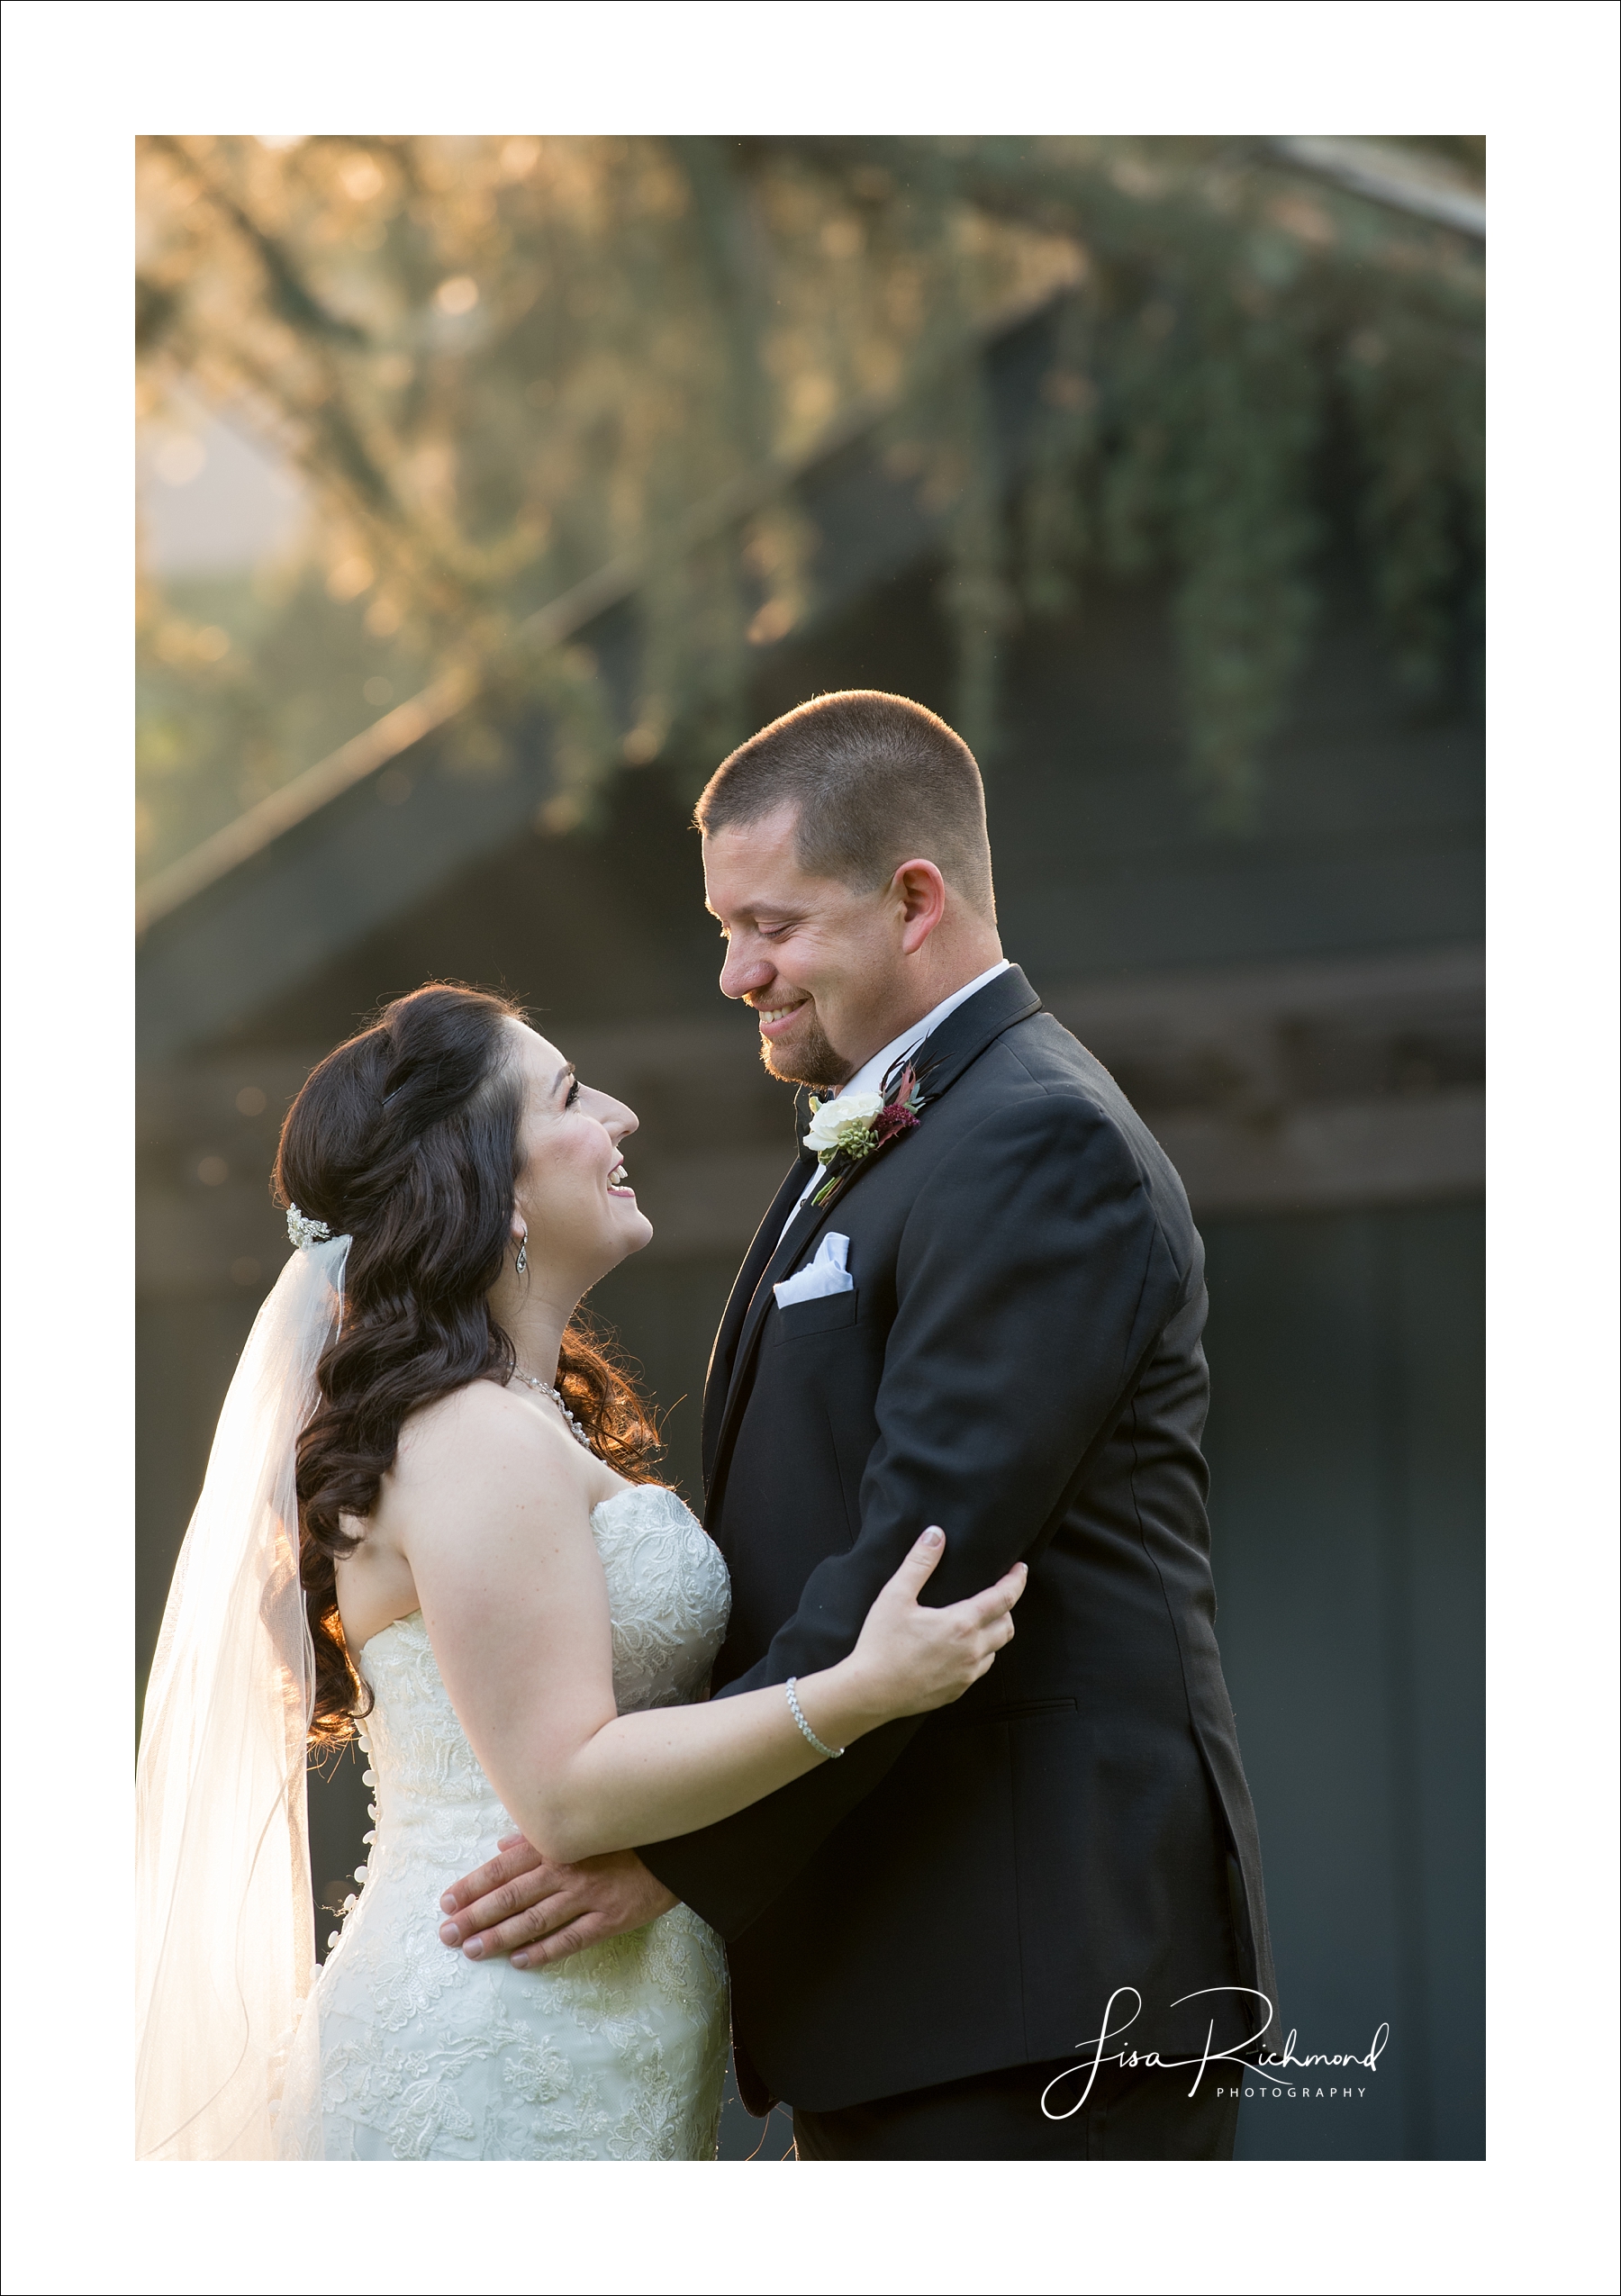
x=843, y=1133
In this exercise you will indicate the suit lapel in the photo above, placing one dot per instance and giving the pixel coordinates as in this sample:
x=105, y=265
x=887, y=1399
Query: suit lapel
x=717, y=1383
x=806, y=1223
x=957, y=1043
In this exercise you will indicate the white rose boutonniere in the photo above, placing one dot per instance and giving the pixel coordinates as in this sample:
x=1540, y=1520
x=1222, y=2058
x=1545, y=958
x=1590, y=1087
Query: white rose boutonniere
x=846, y=1122
x=843, y=1133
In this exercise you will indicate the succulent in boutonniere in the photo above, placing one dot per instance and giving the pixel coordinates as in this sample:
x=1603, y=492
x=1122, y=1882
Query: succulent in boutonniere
x=843, y=1133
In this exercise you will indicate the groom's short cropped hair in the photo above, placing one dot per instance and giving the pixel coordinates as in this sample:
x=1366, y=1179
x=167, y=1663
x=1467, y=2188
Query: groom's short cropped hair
x=876, y=780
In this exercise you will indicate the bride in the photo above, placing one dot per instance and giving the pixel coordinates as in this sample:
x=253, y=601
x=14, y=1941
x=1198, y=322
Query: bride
x=429, y=1520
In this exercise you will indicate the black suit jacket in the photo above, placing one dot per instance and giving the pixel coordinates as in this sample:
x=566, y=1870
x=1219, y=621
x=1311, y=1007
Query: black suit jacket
x=1019, y=1362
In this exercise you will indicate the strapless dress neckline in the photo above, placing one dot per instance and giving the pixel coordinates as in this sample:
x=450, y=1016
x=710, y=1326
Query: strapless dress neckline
x=630, y=1491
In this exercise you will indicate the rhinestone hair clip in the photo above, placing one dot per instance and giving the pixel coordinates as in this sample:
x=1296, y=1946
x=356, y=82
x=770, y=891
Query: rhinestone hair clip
x=304, y=1232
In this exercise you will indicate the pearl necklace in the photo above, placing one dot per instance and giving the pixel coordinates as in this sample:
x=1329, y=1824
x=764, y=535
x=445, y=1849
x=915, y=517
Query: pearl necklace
x=540, y=1387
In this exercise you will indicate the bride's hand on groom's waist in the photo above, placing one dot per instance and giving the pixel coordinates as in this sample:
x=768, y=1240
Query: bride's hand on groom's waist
x=528, y=1905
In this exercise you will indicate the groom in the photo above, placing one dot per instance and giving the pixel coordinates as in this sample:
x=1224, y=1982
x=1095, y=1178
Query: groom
x=986, y=1932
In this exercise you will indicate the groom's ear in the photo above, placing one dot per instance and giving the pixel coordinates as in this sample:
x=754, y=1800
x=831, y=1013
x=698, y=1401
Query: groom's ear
x=919, y=889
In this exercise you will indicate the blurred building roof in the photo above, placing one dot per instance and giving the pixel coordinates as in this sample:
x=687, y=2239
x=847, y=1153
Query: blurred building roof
x=320, y=863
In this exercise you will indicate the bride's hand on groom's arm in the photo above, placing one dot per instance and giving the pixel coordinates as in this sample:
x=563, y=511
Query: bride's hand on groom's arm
x=527, y=1905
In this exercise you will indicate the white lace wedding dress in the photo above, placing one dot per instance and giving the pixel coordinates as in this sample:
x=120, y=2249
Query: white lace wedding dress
x=415, y=2053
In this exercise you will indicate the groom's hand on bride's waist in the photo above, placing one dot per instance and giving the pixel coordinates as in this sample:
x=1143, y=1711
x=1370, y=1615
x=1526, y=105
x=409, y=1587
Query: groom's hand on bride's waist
x=537, y=1910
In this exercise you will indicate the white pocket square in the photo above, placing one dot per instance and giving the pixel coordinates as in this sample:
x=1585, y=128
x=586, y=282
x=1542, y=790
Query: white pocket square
x=827, y=1273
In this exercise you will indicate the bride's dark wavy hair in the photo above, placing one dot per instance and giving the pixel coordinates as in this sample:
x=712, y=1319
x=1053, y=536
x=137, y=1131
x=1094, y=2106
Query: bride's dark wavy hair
x=406, y=1140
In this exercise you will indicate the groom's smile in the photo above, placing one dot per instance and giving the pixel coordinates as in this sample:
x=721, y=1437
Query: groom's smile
x=793, y=1043
x=776, y=1017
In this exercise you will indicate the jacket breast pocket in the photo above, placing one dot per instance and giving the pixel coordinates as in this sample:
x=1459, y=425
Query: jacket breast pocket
x=829, y=1313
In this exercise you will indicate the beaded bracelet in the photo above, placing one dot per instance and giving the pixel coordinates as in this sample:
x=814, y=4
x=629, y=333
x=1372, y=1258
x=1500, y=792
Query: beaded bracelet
x=832, y=1752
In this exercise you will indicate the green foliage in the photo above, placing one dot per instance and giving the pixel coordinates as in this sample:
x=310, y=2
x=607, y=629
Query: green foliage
x=507, y=363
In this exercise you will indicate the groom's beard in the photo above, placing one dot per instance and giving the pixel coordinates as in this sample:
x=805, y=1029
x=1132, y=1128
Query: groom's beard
x=813, y=1061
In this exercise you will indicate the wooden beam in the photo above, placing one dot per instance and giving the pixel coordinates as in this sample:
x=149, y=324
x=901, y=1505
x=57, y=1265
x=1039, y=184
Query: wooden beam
x=1388, y=177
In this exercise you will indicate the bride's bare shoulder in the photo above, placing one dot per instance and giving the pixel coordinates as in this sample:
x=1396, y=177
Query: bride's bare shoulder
x=483, y=1429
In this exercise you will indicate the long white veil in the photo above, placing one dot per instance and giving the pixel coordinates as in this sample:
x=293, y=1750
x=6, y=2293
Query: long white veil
x=224, y=1918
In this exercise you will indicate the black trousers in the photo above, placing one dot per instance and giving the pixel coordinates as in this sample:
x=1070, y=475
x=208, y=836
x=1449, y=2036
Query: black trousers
x=1130, y=2114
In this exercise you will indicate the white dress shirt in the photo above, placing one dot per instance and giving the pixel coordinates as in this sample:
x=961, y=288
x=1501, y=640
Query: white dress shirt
x=869, y=1077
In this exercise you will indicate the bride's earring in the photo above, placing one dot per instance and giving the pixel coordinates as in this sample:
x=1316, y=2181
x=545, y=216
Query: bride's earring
x=521, y=1261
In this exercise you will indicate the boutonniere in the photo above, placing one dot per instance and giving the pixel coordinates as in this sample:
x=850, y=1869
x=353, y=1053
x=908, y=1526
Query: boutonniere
x=843, y=1133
